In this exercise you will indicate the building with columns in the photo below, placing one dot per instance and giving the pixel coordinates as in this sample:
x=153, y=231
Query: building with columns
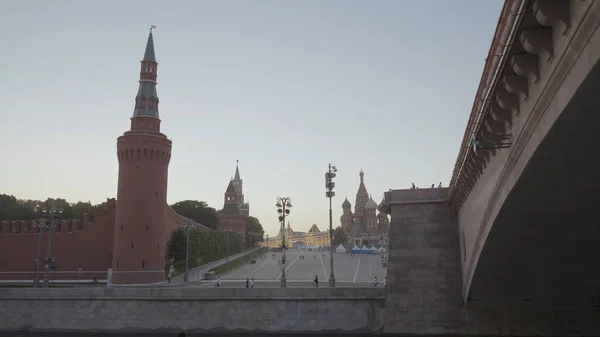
x=364, y=226
x=313, y=238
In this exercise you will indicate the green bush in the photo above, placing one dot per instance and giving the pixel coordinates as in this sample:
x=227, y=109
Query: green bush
x=239, y=261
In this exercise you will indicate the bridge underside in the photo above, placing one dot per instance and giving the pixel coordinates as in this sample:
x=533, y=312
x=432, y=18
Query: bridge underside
x=545, y=242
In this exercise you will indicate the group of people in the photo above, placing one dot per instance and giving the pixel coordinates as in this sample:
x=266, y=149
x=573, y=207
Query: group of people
x=413, y=187
x=249, y=282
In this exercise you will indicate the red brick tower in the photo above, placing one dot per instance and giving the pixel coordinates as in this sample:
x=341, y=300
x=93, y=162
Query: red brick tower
x=144, y=154
x=231, y=217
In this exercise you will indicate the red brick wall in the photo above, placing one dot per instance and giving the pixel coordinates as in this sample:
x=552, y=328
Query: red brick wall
x=89, y=244
x=91, y=247
x=236, y=223
x=175, y=220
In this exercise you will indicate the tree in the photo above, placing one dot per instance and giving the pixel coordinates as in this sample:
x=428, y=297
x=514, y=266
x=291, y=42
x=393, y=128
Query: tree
x=339, y=236
x=254, y=226
x=12, y=208
x=198, y=211
x=207, y=245
x=80, y=208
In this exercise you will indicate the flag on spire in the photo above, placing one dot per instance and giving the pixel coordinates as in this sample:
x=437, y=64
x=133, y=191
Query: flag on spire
x=237, y=170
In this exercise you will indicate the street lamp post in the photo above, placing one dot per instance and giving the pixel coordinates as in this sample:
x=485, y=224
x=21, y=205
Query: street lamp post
x=42, y=223
x=51, y=215
x=187, y=224
x=329, y=185
x=252, y=234
x=283, y=208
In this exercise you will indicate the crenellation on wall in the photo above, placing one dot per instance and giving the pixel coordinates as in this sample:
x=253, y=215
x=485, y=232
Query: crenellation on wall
x=87, y=243
x=75, y=243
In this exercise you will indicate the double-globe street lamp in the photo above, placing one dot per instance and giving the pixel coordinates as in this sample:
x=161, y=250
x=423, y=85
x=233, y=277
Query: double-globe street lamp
x=42, y=224
x=329, y=185
x=283, y=209
x=46, y=222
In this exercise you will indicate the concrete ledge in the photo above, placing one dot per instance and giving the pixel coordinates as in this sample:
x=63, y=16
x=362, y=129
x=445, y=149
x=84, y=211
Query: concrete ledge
x=166, y=294
x=422, y=195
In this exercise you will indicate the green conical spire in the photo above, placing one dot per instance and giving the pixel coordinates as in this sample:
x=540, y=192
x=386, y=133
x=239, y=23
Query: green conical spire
x=149, y=53
x=146, y=101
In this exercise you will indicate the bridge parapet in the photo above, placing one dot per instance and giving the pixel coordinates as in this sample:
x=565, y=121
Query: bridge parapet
x=169, y=311
x=412, y=196
x=424, y=282
x=523, y=68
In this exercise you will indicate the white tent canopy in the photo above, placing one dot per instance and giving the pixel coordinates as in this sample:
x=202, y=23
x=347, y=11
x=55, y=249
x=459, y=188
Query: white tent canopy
x=340, y=249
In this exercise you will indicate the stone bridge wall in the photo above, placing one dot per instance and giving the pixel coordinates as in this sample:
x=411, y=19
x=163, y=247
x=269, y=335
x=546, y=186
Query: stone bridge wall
x=192, y=310
x=424, y=281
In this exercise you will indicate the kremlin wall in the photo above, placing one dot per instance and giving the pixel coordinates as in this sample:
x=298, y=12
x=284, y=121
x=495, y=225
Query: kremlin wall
x=87, y=244
x=130, y=236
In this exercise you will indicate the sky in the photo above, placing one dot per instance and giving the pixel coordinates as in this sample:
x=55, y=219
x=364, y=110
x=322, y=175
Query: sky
x=285, y=87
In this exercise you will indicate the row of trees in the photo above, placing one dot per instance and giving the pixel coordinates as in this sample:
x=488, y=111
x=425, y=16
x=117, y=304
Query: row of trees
x=200, y=212
x=12, y=208
x=208, y=245
x=213, y=245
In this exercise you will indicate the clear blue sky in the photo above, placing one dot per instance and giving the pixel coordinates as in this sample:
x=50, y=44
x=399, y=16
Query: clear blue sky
x=283, y=86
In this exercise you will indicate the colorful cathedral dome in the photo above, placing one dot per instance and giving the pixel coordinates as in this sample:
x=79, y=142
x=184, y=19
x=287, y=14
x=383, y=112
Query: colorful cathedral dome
x=371, y=204
x=346, y=204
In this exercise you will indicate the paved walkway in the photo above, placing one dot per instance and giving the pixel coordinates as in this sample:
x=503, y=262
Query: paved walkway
x=196, y=274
